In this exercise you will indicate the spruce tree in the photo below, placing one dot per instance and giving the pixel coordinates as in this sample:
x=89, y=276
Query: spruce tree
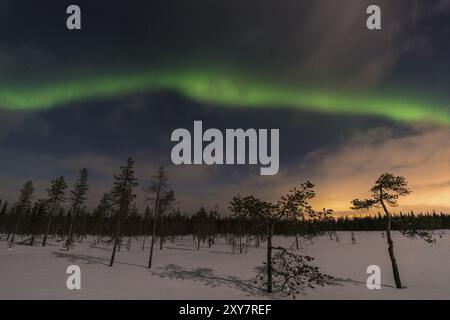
x=23, y=206
x=122, y=196
x=56, y=196
x=4, y=209
x=77, y=198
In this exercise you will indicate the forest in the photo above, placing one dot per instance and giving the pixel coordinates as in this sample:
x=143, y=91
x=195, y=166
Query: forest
x=248, y=223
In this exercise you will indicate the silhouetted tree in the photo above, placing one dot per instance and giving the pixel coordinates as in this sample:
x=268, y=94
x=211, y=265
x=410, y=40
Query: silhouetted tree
x=23, y=206
x=103, y=214
x=292, y=272
x=353, y=238
x=156, y=191
x=386, y=192
x=56, y=195
x=122, y=196
x=290, y=206
x=3, y=224
x=166, y=202
x=39, y=211
x=4, y=208
x=145, y=226
x=200, y=220
x=77, y=198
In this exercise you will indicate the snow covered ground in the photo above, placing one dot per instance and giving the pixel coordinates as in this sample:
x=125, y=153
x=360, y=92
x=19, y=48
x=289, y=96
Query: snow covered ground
x=182, y=272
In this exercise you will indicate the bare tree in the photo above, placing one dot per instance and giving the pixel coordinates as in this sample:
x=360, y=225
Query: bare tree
x=386, y=192
x=157, y=191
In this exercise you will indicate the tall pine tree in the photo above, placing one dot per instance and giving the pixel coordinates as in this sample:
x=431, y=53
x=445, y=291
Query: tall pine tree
x=23, y=206
x=156, y=190
x=77, y=199
x=122, y=196
x=56, y=196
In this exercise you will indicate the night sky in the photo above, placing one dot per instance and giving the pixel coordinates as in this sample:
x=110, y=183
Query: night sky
x=350, y=103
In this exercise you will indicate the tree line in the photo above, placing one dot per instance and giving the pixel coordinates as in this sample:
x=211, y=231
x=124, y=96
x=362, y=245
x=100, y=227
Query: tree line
x=248, y=222
x=177, y=222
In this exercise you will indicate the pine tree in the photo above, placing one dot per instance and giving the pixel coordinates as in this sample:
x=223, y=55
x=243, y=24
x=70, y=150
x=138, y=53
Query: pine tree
x=165, y=203
x=102, y=214
x=353, y=237
x=144, y=228
x=77, y=198
x=4, y=209
x=385, y=192
x=23, y=206
x=39, y=210
x=3, y=218
x=56, y=196
x=122, y=196
x=292, y=206
x=200, y=220
x=156, y=191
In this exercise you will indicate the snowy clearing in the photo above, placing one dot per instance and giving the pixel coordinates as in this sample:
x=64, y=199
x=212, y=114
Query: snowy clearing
x=182, y=272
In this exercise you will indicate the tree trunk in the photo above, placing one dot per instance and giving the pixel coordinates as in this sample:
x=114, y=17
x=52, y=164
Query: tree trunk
x=240, y=236
x=161, y=233
x=145, y=233
x=84, y=226
x=150, y=259
x=69, y=236
x=269, y=258
x=16, y=228
x=116, y=241
x=398, y=283
x=47, y=231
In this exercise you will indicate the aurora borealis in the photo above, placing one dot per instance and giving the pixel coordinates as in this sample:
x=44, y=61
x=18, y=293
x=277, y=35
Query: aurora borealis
x=226, y=90
x=350, y=103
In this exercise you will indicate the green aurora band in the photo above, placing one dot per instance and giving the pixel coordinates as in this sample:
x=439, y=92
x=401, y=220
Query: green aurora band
x=222, y=89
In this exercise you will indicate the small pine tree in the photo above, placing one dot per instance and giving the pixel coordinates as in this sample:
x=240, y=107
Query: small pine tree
x=353, y=238
x=293, y=205
x=200, y=219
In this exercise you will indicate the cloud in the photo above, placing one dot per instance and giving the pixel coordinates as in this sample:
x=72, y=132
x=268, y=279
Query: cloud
x=348, y=171
x=24, y=123
x=339, y=46
x=325, y=40
x=341, y=173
